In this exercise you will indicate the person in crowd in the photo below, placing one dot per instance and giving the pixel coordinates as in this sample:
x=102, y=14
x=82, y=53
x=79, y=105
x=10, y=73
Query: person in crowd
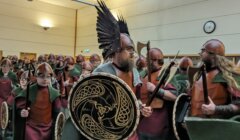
x=8, y=82
x=35, y=114
x=121, y=51
x=223, y=85
x=158, y=125
x=15, y=64
x=141, y=64
x=41, y=59
x=52, y=60
x=72, y=74
x=87, y=68
x=79, y=62
x=95, y=60
x=181, y=81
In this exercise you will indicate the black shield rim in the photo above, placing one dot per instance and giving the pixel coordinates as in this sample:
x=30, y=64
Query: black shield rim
x=59, y=124
x=175, y=108
x=4, y=114
x=113, y=77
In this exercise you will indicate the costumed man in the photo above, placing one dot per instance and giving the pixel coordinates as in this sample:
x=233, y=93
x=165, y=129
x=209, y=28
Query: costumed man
x=79, y=62
x=72, y=74
x=141, y=64
x=223, y=84
x=60, y=75
x=8, y=81
x=181, y=81
x=14, y=61
x=23, y=84
x=41, y=59
x=120, y=48
x=37, y=107
x=158, y=125
x=60, y=60
x=95, y=60
x=51, y=60
x=87, y=68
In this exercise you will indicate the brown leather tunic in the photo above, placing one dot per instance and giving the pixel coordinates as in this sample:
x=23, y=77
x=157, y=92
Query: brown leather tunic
x=127, y=78
x=41, y=109
x=216, y=91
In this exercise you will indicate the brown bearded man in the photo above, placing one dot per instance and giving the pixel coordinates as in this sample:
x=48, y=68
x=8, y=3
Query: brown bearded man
x=222, y=86
x=157, y=126
x=118, y=46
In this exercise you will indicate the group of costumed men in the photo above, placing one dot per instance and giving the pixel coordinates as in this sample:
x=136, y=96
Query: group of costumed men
x=36, y=92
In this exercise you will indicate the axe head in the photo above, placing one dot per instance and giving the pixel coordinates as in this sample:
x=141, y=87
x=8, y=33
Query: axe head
x=142, y=45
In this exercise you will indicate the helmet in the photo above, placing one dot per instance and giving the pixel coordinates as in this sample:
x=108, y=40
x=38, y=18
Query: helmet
x=94, y=57
x=44, y=68
x=80, y=58
x=87, y=66
x=157, y=54
x=60, y=57
x=14, y=58
x=185, y=62
x=51, y=57
x=41, y=58
x=69, y=60
x=6, y=61
x=141, y=62
x=24, y=75
x=214, y=46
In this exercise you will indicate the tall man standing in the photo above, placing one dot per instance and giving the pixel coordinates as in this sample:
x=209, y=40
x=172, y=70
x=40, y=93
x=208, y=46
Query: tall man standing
x=116, y=44
x=222, y=84
x=157, y=126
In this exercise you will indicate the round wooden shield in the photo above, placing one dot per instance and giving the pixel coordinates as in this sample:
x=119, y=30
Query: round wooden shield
x=60, y=120
x=4, y=115
x=180, y=109
x=102, y=106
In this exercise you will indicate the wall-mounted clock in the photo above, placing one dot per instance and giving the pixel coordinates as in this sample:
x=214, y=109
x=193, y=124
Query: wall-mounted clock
x=209, y=26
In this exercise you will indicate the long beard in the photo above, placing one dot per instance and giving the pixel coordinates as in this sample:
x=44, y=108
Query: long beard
x=208, y=65
x=126, y=65
x=154, y=69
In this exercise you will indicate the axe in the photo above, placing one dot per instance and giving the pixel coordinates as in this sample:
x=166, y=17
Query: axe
x=139, y=48
x=194, y=73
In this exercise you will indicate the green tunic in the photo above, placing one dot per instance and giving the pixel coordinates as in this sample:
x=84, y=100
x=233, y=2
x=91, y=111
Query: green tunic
x=33, y=89
x=78, y=67
x=74, y=73
x=19, y=121
x=180, y=81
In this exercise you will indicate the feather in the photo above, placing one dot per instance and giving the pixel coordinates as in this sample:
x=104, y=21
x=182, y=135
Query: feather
x=108, y=31
x=122, y=25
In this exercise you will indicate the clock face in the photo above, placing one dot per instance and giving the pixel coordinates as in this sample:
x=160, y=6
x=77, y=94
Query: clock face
x=209, y=27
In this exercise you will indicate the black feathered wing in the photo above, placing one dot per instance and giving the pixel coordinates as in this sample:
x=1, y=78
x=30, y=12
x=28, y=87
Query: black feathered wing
x=122, y=25
x=108, y=31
